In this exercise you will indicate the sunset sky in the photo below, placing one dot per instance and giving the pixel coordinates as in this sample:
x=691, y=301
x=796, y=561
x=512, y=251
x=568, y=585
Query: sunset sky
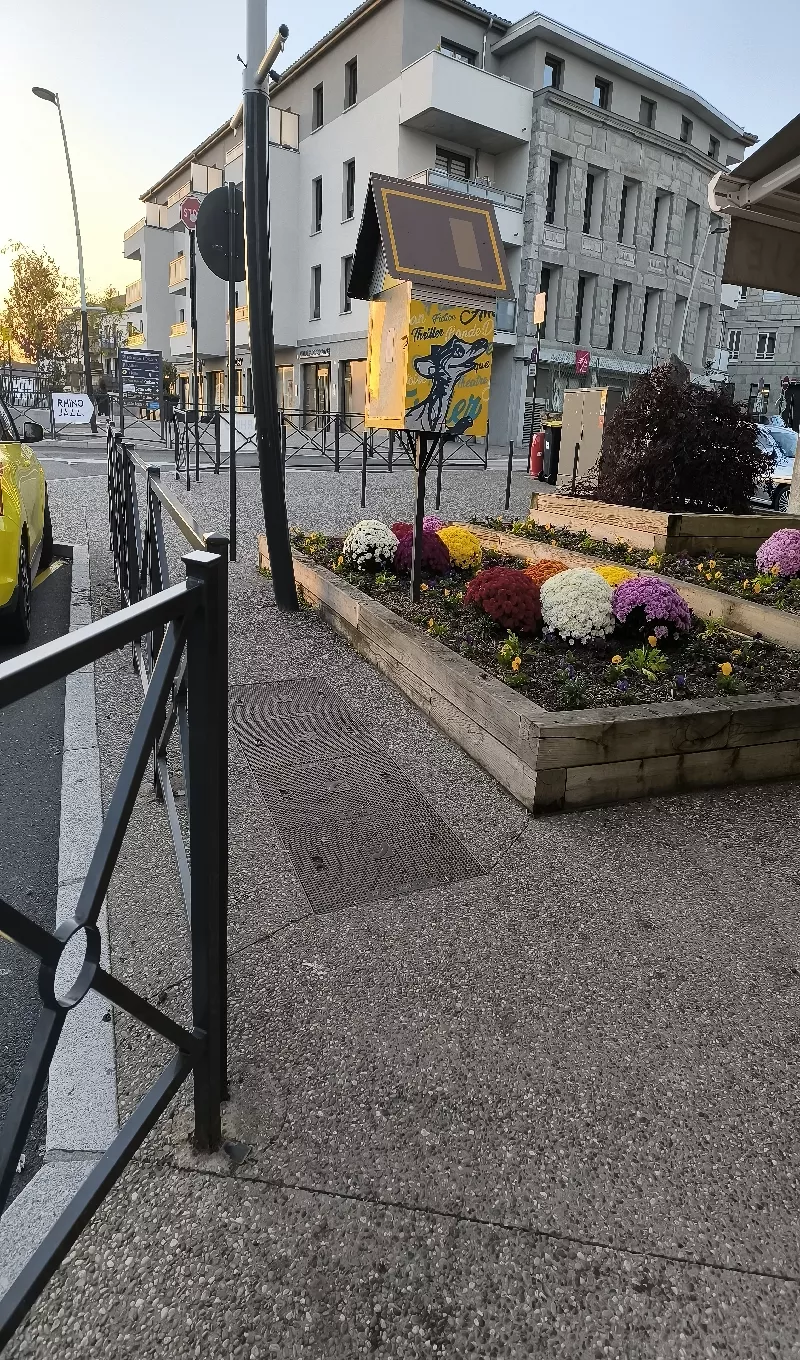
x=142, y=84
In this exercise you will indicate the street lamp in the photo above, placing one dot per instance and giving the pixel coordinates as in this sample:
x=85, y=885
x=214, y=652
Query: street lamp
x=51, y=98
x=712, y=231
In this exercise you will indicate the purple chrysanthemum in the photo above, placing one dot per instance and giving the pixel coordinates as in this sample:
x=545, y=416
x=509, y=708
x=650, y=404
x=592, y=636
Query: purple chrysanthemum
x=435, y=556
x=781, y=550
x=431, y=523
x=659, y=602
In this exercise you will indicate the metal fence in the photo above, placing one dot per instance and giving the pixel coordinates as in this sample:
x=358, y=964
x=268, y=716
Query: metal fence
x=179, y=637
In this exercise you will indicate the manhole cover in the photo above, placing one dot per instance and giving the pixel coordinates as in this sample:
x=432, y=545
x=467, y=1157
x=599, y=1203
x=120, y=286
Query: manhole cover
x=355, y=827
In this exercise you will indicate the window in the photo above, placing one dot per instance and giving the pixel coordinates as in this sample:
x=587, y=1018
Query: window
x=713, y=148
x=689, y=232
x=457, y=52
x=351, y=83
x=182, y=314
x=587, y=205
x=347, y=265
x=703, y=333
x=765, y=345
x=678, y=323
x=602, y=93
x=553, y=72
x=623, y=208
x=349, y=190
x=659, y=229
x=686, y=131
x=612, y=320
x=552, y=192
x=453, y=163
x=647, y=339
x=544, y=287
x=579, y=301
x=647, y=112
x=316, y=204
x=316, y=291
x=743, y=295
x=654, y=227
x=317, y=108
x=734, y=342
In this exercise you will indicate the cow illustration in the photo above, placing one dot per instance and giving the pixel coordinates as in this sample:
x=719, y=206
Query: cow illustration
x=444, y=367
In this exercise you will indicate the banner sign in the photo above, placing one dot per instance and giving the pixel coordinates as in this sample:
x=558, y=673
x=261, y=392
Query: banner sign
x=140, y=372
x=582, y=360
x=72, y=408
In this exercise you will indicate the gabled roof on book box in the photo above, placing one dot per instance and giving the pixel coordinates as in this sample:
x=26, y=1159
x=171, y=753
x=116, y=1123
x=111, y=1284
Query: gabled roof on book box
x=431, y=237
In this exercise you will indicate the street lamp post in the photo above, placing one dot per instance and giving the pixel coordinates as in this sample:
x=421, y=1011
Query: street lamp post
x=51, y=98
x=712, y=231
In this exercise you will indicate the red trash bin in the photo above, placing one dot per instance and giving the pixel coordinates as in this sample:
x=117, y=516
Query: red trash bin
x=536, y=457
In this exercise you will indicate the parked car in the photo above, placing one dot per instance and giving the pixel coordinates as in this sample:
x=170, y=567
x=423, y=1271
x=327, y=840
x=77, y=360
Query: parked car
x=26, y=534
x=782, y=442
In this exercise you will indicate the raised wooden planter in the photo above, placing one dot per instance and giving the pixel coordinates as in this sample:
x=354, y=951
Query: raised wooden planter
x=737, y=535
x=549, y=761
x=742, y=616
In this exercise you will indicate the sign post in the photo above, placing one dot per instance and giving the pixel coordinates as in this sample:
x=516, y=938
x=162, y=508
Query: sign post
x=190, y=207
x=140, y=378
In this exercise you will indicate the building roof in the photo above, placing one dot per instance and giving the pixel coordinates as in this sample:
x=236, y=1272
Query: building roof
x=537, y=25
x=187, y=160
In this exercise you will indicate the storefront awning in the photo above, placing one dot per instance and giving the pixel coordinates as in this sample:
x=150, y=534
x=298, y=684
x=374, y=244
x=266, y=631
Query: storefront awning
x=762, y=198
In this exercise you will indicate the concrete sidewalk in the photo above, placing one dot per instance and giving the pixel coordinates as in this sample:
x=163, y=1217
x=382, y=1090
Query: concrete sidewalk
x=547, y=1111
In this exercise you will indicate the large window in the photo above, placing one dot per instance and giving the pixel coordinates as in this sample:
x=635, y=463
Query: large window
x=351, y=83
x=587, y=204
x=765, y=345
x=453, y=163
x=317, y=107
x=713, y=148
x=734, y=342
x=348, y=190
x=579, y=305
x=457, y=52
x=602, y=93
x=647, y=112
x=612, y=319
x=552, y=193
x=553, y=72
x=316, y=291
x=686, y=130
x=316, y=204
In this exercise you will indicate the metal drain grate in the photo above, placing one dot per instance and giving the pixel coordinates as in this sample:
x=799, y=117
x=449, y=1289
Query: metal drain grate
x=356, y=829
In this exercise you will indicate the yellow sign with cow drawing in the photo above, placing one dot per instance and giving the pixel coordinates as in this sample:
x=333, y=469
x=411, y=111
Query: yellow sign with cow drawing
x=429, y=364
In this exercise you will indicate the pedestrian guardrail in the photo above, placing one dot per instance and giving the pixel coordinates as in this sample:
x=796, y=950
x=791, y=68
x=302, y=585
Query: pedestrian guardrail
x=182, y=663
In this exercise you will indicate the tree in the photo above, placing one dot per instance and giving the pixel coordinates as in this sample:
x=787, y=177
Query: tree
x=37, y=303
x=674, y=445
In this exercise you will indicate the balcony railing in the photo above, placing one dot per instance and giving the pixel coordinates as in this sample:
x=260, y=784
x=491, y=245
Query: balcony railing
x=137, y=226
x=133, y=293
x=177, y=271
x=179, y=194
x=234, y=152
x=476, y=188
x=177, y=328
x=284, y=128
x=134, y=340
x=155, y=215
x=240, y=314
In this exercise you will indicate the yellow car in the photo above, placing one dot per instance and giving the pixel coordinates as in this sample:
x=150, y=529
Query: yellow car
x=26, y=534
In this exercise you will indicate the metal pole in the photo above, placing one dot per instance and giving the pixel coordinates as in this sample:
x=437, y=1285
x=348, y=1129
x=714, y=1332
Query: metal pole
x=711, y=230
x=336, y=441
x=259, y=294
x=217, y=543
x=121, y=398
x=87, y=361
x=232, y=224
x=439, y=466
x=391, y=450
x=421, y=441
x=364, y=445
x=195, y=391
x=508, y=474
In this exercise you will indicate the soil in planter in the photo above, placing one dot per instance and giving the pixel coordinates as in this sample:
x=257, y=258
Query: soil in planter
x=731, y=575
x=710, y=662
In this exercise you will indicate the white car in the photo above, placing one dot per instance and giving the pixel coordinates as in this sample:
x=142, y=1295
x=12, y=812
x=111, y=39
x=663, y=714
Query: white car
x=777, y=439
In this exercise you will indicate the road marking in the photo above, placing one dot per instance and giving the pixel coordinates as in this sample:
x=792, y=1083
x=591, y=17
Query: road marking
x=48, y=571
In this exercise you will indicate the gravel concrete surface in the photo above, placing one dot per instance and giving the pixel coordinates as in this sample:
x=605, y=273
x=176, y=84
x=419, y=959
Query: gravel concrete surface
x=551, y=1111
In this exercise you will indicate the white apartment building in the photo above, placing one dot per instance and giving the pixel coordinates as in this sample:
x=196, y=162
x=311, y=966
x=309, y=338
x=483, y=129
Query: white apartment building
x=597, y=165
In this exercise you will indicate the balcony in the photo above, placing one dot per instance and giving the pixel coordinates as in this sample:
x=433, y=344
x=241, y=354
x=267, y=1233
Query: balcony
x=508, y=207
x=155, y=215
x=133, y=295
x=134, y=340
x=177, y=273
x=177, y=328
x=284, y=128
x=180, y=194
x=241, y=319
x=450, y=99
x=234, y=152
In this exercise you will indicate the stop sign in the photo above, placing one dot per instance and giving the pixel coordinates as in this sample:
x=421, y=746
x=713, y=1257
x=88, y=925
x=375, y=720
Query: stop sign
x=190, y=207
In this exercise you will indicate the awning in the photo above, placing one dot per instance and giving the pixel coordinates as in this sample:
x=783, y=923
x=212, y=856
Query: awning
x=762, y=198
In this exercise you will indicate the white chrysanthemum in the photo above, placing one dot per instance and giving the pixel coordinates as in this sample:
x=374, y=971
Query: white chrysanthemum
x=370, y=543
x=576, y=604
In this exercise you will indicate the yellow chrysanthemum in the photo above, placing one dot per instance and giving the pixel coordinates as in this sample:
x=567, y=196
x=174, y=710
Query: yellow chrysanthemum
x=464, y=547
x=516, y=663
x=616, y=660
x=652, y=641
x=614, y=576
x=726, y=667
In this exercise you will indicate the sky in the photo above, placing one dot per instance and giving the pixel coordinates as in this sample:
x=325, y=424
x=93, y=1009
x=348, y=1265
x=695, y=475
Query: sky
x=142, y=84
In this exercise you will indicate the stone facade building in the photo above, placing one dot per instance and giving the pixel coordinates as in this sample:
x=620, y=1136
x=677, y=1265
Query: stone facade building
x=597, y=165
x=763, y=343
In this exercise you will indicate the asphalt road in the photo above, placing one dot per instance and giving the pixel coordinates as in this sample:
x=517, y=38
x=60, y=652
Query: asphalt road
x=31, y=743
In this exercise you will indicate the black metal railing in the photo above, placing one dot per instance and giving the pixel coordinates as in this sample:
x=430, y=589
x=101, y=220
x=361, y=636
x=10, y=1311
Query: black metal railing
x=183, y=670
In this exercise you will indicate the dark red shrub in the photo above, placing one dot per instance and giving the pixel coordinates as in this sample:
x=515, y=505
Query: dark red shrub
x=400, y=530
x=508, y=596
x=673, y=445
x=435, y=554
